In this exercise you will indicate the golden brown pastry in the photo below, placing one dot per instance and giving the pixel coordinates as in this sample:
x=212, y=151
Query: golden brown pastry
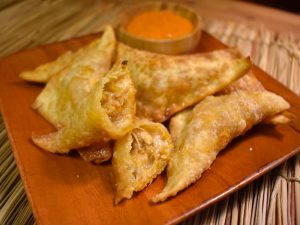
x=65, y=90
x=139, y=157
x=208, y=128
x=250, y=83
x=96, y=153
x=167, y=84
x=99, y=51
x=107, y=112
x=246, y=83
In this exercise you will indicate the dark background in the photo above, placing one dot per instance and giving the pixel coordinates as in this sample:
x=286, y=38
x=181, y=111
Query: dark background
x=287, y=5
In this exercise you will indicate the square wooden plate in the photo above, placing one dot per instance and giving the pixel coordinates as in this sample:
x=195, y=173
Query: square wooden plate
x=66, y=190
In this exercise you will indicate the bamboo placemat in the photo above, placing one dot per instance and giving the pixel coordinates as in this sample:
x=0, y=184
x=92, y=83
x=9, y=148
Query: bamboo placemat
x=272, y=199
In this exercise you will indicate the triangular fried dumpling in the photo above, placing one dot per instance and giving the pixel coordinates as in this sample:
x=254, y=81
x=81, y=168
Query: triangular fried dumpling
x=107, y=112
x=139, y=157
x=99, y=51
x=208, y=128
x=250, y=83
x=167, y=84
x=65, y=91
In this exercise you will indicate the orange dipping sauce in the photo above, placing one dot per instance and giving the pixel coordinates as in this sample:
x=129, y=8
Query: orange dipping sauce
x=159, y=25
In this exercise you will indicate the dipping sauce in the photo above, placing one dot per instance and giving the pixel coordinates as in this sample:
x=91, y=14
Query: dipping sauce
x=159, y=25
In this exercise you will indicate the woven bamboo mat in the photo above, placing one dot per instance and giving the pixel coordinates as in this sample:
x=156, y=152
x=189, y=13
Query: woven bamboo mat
x=272, y=199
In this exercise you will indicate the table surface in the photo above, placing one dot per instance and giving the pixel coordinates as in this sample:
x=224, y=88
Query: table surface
x=32, y=23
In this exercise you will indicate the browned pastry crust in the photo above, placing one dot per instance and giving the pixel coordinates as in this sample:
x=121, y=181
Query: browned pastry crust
x=250, y=83
x=100, y=51
x=203, y=131
x=107, y=112
x=167, y=84
x=96, y=153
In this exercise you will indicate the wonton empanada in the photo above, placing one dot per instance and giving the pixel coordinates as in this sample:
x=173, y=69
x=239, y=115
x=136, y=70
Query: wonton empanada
x=139, y=157
x=167, y=84
x=107, y=112
x=208, y=128
x=99, y=52
x=250, y=83
x=65, y=91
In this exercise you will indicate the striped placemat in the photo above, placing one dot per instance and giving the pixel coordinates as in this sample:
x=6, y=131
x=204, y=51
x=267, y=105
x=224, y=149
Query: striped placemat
x=272, y=199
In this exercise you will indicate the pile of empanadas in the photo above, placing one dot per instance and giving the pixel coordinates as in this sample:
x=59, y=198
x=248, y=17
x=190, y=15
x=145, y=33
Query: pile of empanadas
x=108, y=100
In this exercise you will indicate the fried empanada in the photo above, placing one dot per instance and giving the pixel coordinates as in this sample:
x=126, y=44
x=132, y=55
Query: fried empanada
x=65, y=91
x=139, y=157
x=167, y=84
x=107, y=112
x=96, y=153
x=250, y=83
x=100, y=52
x=208, y=128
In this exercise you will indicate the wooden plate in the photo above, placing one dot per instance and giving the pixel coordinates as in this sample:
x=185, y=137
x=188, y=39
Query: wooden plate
x=66, y=190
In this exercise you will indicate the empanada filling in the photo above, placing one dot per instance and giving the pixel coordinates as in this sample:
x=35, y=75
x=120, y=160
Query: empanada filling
x=142, y=152
x=114, y=99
